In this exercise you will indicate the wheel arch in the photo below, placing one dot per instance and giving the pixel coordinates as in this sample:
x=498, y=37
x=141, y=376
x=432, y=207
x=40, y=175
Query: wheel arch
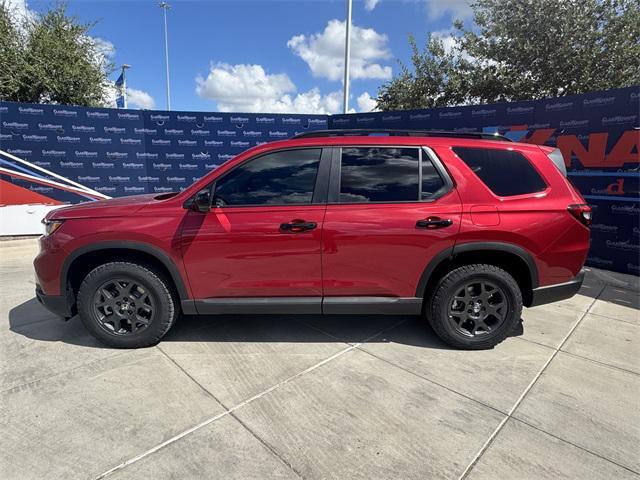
x=84, y=259
x=512, y=258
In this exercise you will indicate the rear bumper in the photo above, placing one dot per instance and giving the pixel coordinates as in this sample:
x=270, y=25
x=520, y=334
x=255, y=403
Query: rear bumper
x=555, y=293
x=57, y=304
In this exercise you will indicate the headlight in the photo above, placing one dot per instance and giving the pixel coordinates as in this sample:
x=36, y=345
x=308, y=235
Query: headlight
x=51, y=226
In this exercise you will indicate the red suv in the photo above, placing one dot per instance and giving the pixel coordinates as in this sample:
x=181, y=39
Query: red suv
x=464, y=229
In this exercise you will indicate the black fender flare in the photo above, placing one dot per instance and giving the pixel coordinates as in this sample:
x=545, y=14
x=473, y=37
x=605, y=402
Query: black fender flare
x=477, y=246
x=149, y=249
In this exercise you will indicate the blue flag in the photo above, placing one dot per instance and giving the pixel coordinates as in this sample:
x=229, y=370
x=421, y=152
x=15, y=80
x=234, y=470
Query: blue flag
x=121, y=92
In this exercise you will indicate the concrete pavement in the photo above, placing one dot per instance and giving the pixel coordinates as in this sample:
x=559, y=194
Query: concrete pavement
x=321, y=397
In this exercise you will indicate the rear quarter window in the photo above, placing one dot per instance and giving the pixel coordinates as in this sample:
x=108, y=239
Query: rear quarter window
x=505, y=172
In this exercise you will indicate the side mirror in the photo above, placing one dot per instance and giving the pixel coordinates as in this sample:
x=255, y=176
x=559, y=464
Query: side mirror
x=202, y=201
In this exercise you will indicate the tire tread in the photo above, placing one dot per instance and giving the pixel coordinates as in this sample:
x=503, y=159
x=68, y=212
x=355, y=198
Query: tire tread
x=155, y=277
x=442, y=291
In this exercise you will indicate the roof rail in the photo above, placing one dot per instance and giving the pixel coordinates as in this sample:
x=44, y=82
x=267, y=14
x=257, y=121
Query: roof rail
x=347, y=132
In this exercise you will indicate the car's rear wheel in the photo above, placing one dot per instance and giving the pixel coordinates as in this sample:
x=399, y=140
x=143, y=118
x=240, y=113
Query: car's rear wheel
x=475, y=306
x=126, y=305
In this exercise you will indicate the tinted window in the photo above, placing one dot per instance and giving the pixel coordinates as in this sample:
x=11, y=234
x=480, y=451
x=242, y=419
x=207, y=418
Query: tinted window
x=432, y=182
x=379, y=175
x=505, y=172
x=278, y=178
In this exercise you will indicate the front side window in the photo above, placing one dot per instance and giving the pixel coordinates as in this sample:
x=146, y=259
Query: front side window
x=387, y=174
x=279, y=178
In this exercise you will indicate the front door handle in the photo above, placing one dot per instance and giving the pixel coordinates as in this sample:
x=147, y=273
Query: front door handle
x=297, y=226
x=434, y=222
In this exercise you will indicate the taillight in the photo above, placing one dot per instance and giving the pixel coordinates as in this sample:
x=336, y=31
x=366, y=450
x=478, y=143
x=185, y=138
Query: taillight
x=581, y=212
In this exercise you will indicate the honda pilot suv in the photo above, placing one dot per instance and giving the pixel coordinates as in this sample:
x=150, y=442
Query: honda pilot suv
x=463, y=229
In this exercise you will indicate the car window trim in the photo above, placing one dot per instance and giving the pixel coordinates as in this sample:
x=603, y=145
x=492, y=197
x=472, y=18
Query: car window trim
x=336, y=164
x=442, y=171
x=320, y=180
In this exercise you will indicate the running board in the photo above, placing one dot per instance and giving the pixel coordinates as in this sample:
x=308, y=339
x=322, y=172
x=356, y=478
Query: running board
x=305, y=305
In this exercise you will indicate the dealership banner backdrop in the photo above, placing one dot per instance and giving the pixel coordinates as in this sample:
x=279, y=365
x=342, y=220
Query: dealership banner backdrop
x=125, y=152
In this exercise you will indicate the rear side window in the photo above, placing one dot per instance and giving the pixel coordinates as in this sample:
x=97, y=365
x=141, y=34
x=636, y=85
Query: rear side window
x=505, y=172
x=376, y=174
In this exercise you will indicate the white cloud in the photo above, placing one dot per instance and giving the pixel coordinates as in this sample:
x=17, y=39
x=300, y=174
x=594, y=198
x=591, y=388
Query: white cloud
x=135, y=98
x=18, y=10
x=140, y=99
x=366, y=103
x=249, y=88
x=455, y=8
x=104, y=51
x=324, y=52
x=447, y=38
x=104, y=47
x=244, y=86
x=311, y=101
x=370, y=4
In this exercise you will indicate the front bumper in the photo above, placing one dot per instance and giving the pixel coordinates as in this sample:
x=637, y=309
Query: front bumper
x=555, y=293
x=57, y=304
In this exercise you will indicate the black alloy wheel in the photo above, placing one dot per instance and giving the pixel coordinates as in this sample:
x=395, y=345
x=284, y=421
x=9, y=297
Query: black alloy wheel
x=477, y=308
x=123, y=306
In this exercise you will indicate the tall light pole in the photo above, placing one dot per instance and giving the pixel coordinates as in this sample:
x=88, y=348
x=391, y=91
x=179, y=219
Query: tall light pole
x=165, y=6
x=347, y=54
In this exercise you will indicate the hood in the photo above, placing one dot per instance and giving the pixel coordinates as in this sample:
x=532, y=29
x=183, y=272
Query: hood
x=113, y=207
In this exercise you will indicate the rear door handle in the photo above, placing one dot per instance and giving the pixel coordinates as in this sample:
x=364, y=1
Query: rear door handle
x=434, y=222
x=297, y=226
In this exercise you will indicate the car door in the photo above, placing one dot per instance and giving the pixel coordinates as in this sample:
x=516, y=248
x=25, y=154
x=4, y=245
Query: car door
x=390, y=211
x=262, y=236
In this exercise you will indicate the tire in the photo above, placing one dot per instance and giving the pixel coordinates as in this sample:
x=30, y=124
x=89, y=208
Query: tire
x=475, y=307
x=127, y=305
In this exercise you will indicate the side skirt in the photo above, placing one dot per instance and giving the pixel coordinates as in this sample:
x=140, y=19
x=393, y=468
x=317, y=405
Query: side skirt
x=305, y=305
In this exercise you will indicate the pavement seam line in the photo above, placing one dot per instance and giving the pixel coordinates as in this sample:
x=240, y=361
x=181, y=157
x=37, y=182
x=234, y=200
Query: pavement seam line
x=10, y=390
x=427, y=379
x=598, y=362
x=601, y=363
x=497, y=430
x=313, y=327
x=230, y=411
x=268, y=446
x=205, y=390
x=209, y=393
x=210, y=420
x=573, y=444
x=318, y=329
x=614, y=319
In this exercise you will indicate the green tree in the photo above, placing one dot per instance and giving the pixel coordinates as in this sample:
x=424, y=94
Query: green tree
x=11, y=55
x=425, y=86
x=525, y=49
x=51, y=59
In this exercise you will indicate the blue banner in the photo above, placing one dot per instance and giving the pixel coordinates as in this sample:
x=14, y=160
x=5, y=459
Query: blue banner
x=126, y=152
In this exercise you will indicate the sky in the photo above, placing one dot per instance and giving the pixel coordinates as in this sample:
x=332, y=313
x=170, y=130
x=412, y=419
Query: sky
x=283, y=56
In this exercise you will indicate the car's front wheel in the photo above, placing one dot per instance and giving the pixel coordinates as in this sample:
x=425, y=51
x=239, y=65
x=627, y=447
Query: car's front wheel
x=126, y=305
x=475, y=306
